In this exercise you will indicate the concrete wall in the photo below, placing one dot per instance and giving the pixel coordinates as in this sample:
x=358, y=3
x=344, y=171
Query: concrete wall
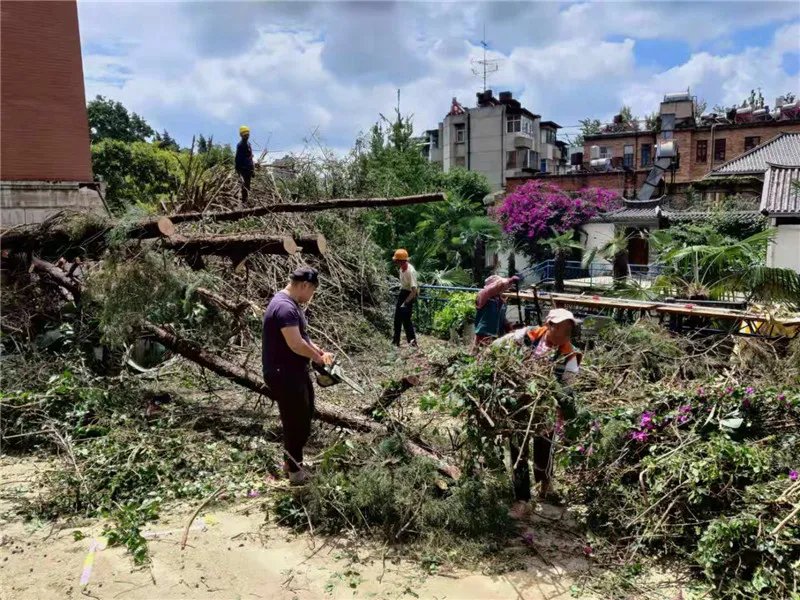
x=34, y=201
x=487, y=141
x=44, y=131
x=784, y=252
x=595, y=236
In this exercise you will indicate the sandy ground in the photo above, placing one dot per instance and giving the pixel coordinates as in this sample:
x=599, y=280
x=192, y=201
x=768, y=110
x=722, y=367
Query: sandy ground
x=233, y=553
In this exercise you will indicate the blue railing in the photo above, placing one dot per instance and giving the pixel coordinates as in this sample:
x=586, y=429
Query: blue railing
x=544, y=272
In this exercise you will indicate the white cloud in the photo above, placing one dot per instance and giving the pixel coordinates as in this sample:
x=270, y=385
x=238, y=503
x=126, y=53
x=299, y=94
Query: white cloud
x=287, y=69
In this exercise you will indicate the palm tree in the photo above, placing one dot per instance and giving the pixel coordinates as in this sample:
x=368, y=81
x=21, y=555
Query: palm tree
x=561, y=245
x=616, y=251
x=724, y=268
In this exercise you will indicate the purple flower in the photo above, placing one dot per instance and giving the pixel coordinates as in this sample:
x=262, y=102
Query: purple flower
x=581, y=449
x=749, y=391
x=595, y=425
x=686, y=408
x=781, y=397
x=729, y=390
x=746, y=403
x=682, y=419
x=639, y=436
x=701, y=392
x=253, y=494
x=793, y=475
x=646, y=420
x=527, y=538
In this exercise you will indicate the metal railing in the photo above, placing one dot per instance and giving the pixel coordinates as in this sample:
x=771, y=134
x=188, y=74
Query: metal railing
x=591, y=274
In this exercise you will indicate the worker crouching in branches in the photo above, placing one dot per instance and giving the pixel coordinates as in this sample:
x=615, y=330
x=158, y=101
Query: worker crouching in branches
x=552, y=341
x=490, y=315
x=286, y=354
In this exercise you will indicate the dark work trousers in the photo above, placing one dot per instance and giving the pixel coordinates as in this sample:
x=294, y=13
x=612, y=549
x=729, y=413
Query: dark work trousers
x=542, y=462
x=402, y=317
x=245, y=176
x=294, y=394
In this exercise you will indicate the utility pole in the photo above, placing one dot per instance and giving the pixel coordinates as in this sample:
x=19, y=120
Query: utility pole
x=484, y=66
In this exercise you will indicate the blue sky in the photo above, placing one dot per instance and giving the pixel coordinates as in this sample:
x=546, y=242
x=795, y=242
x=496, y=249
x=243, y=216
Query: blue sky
x=296, y=72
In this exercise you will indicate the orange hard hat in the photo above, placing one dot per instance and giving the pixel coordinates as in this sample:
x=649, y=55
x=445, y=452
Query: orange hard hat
x=400, y=254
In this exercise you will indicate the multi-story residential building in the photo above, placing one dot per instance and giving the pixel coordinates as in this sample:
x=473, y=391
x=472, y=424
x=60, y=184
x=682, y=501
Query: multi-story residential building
x=498, y=137
x=553, y=153
x=703, y=142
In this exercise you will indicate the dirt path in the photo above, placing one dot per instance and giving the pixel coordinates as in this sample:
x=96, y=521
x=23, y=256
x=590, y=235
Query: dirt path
x=234, y=554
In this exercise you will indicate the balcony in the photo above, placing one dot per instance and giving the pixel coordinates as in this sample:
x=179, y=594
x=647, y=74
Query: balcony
x=523, y=141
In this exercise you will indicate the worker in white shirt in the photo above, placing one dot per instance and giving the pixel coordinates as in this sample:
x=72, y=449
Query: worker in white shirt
x=409, y=288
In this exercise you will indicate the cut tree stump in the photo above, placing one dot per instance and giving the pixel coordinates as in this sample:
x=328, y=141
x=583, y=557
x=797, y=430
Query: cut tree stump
x=312, y=244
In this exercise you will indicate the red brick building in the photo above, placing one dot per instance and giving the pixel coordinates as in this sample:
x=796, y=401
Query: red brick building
x=45, y=156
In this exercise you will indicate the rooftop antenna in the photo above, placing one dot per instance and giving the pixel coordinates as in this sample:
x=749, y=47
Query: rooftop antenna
x=484, y=66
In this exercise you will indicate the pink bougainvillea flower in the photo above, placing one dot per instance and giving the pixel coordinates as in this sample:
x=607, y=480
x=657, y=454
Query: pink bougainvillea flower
x=793, y=475
x=746, y=403
x=686, y=408
x=581, y=449
x=701, y=392
x=639, y=436
x=749, y=391
x=728, y=390
x=646, y=420
x=588, y=550
x=781, y=397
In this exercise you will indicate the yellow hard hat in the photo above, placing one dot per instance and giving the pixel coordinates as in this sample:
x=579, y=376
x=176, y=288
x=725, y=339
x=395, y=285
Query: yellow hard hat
x=244, y=129
x=400, y=254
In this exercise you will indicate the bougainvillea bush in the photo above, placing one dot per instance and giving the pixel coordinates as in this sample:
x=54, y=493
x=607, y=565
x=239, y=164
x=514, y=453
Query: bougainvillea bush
x=537, y=208
x=707, y=474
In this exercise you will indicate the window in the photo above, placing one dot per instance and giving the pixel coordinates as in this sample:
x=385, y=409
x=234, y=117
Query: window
x=701, y=155
x=460, y=133
x=604, y=153
x=646, y=155
x=543, y=165
x=527, y=126
x=521, y=158
x=434, y=139
x=548, y=136
x=719, y=150
x=751, y=142
x=513, y=123
x=511, y=159
x=627, y=156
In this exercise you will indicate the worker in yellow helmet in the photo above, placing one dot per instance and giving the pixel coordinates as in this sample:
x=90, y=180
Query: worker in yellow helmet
x=409, y=288
x=245, y=166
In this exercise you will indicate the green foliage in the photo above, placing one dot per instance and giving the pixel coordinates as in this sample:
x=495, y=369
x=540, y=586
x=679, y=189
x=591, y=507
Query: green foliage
x=386, y=493
x=128, y=292
x=135, y=173
x=459, y=311
x=698, y=474
x=129, y=519
x=166, y=142
x=110, y=120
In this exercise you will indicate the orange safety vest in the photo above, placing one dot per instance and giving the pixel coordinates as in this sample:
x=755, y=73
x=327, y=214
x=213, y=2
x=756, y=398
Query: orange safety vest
x=566, y=350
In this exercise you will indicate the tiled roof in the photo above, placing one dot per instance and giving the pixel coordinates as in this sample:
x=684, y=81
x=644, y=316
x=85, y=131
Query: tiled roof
x=779, y=196
x=783, y=149
x=638, y=215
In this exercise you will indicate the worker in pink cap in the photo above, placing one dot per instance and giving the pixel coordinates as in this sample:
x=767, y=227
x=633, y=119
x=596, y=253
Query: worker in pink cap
x=490, y=316
x=552, y=341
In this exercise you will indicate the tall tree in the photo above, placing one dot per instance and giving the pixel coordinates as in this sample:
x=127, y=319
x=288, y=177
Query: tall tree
x=166, y=142
x=109, y=119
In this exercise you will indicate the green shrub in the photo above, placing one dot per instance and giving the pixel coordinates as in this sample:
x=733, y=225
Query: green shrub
x=453, y=316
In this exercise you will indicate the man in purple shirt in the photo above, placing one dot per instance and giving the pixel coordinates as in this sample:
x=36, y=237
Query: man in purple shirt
x=286, y=354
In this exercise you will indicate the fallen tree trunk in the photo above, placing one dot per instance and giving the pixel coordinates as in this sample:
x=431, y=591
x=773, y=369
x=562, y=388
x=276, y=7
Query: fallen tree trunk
x=392, y=392
x=315, y=244
x=53, y=238
x=236, y=247
x=58, y=276
x=305, y=207
x=324, y=411
x=222, y=301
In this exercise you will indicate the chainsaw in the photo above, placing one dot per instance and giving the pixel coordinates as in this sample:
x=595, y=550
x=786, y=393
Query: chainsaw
x=328, y=375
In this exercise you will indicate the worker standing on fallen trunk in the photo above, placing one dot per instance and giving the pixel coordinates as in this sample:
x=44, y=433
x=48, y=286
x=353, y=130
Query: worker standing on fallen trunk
x=409, y=289
x=286, y=354
x=490, y=315
x=245, y=166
